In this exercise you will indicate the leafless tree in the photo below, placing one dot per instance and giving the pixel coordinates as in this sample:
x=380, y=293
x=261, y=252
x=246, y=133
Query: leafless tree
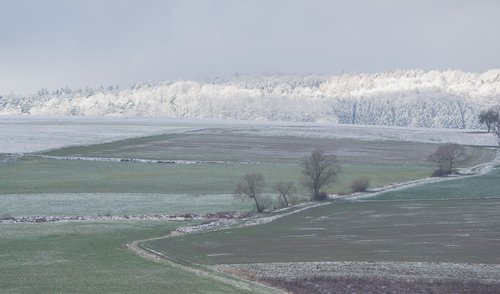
x=251, y=187
x=446, y=156
x=319, y=170
x=284, y=189
x=497, y=130
x=489, y=118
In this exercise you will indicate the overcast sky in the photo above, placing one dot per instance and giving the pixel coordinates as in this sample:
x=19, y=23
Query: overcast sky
x=55, y=43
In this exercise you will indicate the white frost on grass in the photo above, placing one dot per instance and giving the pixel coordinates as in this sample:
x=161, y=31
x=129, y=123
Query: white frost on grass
x=115, y=204
x=22, y=134
x=382, y=133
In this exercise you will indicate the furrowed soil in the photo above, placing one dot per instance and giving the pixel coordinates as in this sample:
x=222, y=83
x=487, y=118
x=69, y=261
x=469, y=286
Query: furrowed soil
x=365, y=277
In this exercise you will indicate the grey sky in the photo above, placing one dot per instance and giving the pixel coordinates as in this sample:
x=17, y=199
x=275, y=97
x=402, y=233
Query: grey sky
x=55, y=43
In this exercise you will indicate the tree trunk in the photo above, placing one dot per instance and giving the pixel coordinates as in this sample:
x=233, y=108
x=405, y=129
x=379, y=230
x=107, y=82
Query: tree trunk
x=286, y=201
x=259, y=209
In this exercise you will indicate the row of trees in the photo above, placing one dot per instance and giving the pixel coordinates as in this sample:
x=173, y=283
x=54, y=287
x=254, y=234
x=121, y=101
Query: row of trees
x=251, y=187
x=318, y=169
x=405, y=98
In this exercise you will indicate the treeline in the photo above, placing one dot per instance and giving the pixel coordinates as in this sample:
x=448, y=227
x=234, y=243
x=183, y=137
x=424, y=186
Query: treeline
x=449, y=99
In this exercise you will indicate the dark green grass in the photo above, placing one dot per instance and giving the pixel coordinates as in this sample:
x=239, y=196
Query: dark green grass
x=448, y=231
x=473, y=187
x=90, y=257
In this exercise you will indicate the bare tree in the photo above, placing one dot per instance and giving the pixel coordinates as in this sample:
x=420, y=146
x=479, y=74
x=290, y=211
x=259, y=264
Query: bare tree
x=251, y=187
x=319, y=170
x=497, y=130
x=446, y=156
x=284, y=189
x=488, y=117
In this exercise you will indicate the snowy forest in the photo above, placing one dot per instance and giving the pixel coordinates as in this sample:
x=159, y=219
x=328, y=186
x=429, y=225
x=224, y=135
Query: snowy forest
x=449, y=99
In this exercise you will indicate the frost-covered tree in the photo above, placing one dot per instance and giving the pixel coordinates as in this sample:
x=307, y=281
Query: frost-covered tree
x=450, y=99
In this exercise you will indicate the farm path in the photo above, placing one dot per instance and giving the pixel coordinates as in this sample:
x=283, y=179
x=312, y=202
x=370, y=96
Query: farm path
x=232, y=280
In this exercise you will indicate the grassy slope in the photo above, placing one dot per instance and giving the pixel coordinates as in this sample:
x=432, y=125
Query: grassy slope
x=474, y=187
x=89, y=257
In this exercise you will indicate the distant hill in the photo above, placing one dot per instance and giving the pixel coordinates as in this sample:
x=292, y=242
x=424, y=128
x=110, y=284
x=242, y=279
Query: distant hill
x=450, y=99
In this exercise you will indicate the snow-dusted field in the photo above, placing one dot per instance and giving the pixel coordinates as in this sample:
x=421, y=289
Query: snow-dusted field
x=115, y=204
x=22, y=134
x=373, y=133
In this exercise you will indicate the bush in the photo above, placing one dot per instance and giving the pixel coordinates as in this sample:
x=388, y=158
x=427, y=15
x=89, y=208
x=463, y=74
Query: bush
x=359, y=185
x=439, y=173
x=323, y=195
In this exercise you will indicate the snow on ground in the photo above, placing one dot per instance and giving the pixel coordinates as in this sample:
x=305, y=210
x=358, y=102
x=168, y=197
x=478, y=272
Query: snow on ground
x=423, y=135
x=23, y=134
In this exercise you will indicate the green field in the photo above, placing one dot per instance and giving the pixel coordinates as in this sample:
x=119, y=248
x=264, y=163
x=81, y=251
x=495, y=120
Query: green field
x=37, y=175
x=484, y=186
x=90, y=257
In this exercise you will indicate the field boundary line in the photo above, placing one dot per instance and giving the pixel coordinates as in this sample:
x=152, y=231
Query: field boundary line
x=138, y=247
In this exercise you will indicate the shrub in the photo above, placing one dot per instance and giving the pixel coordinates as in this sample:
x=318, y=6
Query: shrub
x=320, y=196
x=359, y=185
x=439, y=173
